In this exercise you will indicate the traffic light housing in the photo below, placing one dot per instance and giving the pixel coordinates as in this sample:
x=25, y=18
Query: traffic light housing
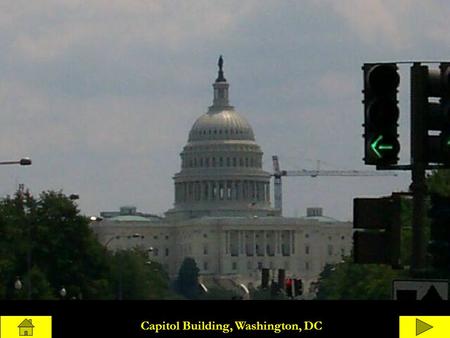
x=298, y=287
x=430, y=120
x=439, y=244
x=281, y=277
x=264, y=278
x=288, y=287
x=381, y=113
x=377, y=235
x=293, y=287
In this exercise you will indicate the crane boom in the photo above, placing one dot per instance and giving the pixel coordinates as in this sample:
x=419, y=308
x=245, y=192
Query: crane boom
x=315, y=173
x=278, y=173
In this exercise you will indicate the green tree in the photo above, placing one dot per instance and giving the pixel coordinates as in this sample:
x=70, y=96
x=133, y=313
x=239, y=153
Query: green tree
x=135, y=277
x=352, y=281
x=187, y=281
x=439, y=182
x=49, y=245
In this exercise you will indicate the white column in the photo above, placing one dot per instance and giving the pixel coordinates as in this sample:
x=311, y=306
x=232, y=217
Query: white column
x=211, y=195
x=184, y=192
x=176, y=192
x=227, y=242
x=292, y=232
x=264, y=242
x=202, y=191
x=277, y=243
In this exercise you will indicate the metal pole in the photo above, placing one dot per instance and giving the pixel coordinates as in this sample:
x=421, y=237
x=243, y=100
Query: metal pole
x=418, y=97
x=28, y=221
x=29, y=266
x=120, y=275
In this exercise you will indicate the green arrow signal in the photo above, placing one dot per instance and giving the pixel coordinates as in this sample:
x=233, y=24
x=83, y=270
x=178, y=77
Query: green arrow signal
x=376, y=147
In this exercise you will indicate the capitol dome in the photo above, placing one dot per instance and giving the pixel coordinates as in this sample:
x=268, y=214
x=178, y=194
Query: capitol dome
x=223, y=125
x=221, y=165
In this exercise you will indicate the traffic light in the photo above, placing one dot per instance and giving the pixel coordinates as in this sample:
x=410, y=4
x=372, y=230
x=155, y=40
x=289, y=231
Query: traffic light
x=381, y=113
x=439, y=244
x=288, y=287
x=293, y=287
x=298, y=287
x=281, y=277
x=264, y=278
x=377, y=235
x=430, y=118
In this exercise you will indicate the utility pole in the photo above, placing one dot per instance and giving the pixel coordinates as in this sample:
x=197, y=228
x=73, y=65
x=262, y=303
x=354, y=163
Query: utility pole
x=418, y=165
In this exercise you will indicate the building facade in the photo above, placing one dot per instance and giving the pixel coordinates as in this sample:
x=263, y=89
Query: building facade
x=222, y=215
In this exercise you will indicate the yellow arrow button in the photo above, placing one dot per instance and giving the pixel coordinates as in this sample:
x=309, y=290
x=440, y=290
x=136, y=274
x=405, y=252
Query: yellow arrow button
x=424, y=326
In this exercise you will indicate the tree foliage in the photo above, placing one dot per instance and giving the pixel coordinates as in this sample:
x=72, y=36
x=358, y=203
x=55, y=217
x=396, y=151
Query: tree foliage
x=439, y=182
x=47, y=244
x=135, y=277
x=187, y=281
x=352, y=281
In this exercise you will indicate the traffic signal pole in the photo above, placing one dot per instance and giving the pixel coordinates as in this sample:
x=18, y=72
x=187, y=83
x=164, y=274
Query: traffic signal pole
x=418, y=165
x=430, y=133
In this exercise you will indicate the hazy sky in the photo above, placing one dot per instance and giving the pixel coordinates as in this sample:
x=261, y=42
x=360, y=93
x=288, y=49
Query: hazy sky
x=101, y=94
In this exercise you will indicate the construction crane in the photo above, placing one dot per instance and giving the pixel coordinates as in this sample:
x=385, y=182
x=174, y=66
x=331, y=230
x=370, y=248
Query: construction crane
x=278, y=173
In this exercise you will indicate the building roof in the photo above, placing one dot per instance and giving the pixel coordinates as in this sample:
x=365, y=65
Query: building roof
x=131, y=218
x=321, y=219
x=26, y=323
x=222, y=125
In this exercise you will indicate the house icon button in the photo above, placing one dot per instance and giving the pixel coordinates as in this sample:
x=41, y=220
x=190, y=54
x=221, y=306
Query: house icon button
x=26, y=328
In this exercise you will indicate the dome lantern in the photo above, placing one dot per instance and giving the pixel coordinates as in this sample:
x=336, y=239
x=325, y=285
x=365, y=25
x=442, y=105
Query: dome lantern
x=221, y=101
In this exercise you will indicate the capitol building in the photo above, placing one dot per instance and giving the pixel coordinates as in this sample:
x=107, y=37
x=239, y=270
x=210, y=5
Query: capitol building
x=222, y=215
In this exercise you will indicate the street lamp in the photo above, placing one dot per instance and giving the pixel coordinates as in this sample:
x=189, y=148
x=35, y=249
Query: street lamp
x=18, y=287
x=18, y=284
x=63, y=292
x=135, y=235
x=22, y=161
